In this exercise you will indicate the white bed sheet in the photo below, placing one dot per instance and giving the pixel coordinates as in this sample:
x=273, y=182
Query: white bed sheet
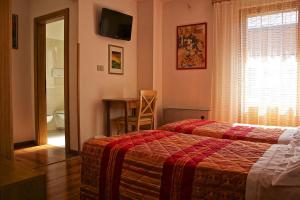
x=260, y=180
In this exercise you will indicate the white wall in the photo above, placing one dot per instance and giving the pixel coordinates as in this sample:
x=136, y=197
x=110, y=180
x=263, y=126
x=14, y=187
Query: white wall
x=96, y=85
x=158, y=58
x=55, y=30
x=23, y=124
x=43, y=7
x=150, y=50
x=23, y=64
x=186, y=88
x=145, y=44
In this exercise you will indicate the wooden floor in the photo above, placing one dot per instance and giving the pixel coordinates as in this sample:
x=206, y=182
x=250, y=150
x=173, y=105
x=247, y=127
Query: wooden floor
x=63, y=173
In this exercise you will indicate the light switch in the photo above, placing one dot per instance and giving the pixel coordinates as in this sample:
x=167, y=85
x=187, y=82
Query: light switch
x=100, y=68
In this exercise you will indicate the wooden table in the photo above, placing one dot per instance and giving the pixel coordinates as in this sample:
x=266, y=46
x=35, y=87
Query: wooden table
x=127, y=102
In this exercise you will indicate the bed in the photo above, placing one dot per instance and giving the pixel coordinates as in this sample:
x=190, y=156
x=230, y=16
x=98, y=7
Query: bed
x=264, y=134
x=168, y=165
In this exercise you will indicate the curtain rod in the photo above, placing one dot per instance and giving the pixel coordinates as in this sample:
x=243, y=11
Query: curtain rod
x=218, y=1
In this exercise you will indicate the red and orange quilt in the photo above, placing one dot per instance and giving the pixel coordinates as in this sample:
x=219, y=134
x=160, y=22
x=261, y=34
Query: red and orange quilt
x=228, y=131
x=166, y=165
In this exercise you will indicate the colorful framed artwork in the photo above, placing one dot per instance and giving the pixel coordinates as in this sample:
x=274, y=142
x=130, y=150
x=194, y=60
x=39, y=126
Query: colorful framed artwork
x=15, y=41
x=116, y=59
x=192, y=46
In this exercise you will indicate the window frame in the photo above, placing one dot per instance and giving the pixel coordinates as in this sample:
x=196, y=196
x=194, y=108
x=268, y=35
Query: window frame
x=244, y=14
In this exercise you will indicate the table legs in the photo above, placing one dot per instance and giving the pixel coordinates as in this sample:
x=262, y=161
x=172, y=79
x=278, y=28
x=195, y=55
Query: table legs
x=108, y=105
x=126, y=116
x=107, y=118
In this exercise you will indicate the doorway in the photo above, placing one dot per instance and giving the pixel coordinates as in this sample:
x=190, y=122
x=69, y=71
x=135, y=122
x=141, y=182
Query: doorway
x=52, y=79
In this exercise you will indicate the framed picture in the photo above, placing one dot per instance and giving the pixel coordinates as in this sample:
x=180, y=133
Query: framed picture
x=115, y=59
x=15, y=31
x=192, y=46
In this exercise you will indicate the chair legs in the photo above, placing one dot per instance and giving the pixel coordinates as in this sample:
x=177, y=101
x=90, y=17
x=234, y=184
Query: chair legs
x=152, y=125
x=121, y=126
x=133, y=128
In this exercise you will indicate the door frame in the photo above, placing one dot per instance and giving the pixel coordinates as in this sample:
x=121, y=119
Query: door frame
x=6, y=118
x=40, y=75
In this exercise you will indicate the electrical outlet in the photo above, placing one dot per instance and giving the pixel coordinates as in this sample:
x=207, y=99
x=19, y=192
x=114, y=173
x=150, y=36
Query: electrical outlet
x=100, y=68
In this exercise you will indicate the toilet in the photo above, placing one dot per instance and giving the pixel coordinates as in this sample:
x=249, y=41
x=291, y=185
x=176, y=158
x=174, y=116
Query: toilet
x=59, y=117
x=49, y=118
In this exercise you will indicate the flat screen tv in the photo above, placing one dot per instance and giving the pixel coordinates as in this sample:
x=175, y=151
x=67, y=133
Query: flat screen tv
x=115, y=24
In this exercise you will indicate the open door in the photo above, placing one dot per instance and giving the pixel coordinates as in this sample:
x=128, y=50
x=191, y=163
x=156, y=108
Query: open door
x=52, y=42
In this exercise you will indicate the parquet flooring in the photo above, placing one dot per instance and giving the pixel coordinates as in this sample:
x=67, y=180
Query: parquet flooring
x=62, y=172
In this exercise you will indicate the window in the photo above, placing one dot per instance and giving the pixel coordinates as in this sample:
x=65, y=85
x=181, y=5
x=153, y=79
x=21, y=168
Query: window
x=270, y=74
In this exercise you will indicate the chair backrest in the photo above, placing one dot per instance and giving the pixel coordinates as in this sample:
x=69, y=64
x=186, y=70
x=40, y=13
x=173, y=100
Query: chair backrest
x=147, y=103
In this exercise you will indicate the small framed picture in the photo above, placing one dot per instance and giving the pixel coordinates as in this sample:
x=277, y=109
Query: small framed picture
x=115, y=59
x=192, y=46
x=15, y=31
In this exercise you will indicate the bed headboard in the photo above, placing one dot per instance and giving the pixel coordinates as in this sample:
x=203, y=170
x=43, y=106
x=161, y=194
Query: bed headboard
x=176, y=114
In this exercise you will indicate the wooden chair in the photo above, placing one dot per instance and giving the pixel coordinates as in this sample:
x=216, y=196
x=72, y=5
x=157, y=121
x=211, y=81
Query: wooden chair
x=145, y=112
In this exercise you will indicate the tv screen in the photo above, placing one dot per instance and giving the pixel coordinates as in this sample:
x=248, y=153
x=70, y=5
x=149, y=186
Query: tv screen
x=115, y=24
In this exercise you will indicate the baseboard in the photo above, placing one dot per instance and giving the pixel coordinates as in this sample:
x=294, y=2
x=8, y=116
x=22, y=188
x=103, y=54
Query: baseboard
x=73, y=153
x=25, y=144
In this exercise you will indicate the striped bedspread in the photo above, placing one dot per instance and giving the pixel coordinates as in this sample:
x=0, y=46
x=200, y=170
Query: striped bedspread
x=166, y=165
x=229, y=131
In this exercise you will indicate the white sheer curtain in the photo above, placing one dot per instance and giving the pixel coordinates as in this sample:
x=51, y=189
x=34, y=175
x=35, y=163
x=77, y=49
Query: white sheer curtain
x=256, y=76
x=226, y=57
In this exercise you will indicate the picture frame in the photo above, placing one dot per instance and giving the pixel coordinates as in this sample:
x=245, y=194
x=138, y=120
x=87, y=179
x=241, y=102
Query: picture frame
x=115, y=59
x=191, y=46
x=15, y=36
